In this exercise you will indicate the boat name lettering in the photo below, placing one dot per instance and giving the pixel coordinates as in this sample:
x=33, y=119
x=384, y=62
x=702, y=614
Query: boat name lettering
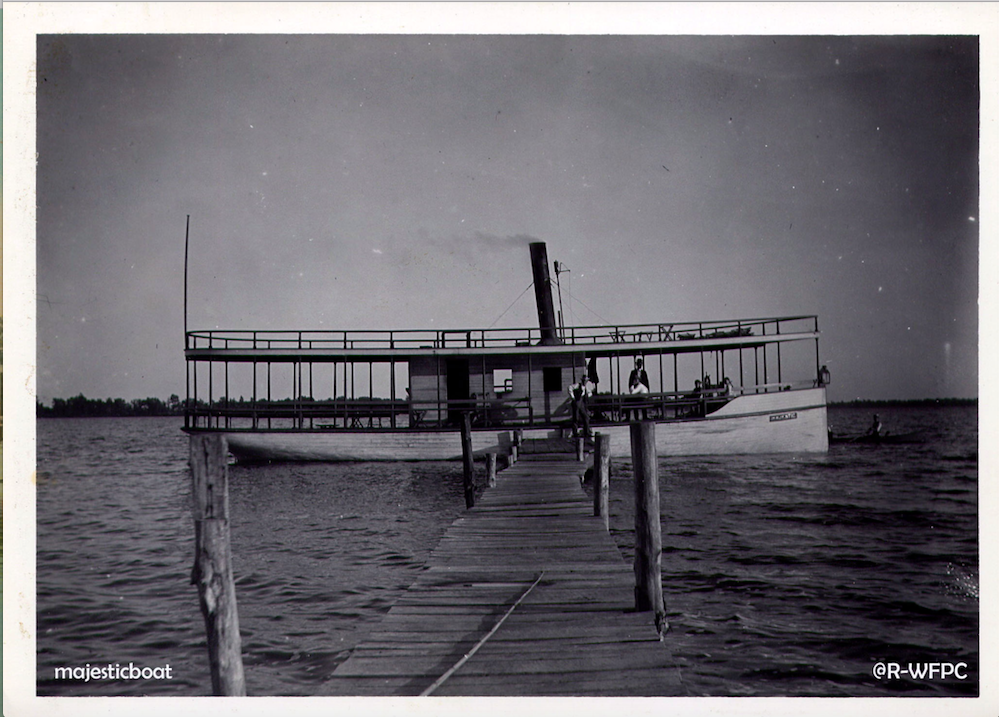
x=783, y=417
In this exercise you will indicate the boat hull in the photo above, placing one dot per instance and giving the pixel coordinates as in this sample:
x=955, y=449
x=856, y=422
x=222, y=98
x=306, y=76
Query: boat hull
x=780, y=422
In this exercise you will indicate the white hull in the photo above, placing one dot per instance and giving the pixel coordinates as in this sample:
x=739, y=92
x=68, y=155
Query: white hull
x=780, y=422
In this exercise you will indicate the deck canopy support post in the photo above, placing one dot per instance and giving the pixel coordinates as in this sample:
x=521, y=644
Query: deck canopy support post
x=818, y=368
x=392, y=390
x=296, y=386
x=756, y=368
x=187, y=403
x=212, y=571
x=530, y=393
x=742, y=379
x=211, y=392
x=193, y=402
x=766, y=378
x=648, y=529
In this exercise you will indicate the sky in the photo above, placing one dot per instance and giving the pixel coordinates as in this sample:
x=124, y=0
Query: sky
x=393, y=181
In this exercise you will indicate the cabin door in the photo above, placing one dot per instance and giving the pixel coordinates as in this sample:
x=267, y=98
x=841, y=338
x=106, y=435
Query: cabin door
x=457, y=387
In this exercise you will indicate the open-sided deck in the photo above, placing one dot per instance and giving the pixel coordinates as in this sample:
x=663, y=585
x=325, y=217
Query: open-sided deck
x=526, y=594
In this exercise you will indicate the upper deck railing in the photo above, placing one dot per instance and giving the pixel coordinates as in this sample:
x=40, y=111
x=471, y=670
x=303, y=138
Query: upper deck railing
x=416, y=339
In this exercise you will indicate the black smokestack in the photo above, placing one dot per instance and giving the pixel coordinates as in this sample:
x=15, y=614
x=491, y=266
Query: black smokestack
x=543, y=293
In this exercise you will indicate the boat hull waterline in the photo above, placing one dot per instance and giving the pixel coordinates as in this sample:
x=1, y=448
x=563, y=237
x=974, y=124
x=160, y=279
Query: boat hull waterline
x=781, y=422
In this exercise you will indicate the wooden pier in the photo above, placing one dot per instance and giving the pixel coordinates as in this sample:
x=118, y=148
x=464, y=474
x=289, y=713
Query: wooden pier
x=526, y=595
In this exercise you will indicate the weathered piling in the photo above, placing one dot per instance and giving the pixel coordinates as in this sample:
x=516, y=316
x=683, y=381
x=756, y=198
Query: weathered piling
x=212, y=571
x=648, y=530
x=468, y=460
x=513, y=455
x=580, y=449
x=601, y=477
x=491, y=468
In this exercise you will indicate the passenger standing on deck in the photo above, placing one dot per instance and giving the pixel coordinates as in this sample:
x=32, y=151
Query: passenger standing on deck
x=637, y=388
x=638, y=374
x=698, y=395
x=875, y=429
x=580, y=393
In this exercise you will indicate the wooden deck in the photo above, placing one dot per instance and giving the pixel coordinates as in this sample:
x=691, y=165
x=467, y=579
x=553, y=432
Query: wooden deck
x=526, y=594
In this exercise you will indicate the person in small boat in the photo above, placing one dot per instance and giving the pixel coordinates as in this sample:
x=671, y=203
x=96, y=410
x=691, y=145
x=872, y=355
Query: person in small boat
x=580, y=394
x=876, y=427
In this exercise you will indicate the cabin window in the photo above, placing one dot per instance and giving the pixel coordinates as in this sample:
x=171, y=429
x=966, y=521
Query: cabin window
x=502, y=380
x=552, y=376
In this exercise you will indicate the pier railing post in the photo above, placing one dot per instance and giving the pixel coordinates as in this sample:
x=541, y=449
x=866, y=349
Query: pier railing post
x=601, y=474
x=468, y=460
x=212, y=571
x=648, y=530
x=491, y=468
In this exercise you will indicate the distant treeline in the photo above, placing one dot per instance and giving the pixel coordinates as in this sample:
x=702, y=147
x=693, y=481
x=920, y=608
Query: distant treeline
x=81, y=406
x=908, y=403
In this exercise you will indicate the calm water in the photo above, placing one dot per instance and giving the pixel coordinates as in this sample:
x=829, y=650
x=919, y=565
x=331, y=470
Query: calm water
x=783, y=575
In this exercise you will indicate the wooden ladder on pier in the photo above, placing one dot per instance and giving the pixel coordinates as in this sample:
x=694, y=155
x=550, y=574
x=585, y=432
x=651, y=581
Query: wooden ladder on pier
x=526, y=594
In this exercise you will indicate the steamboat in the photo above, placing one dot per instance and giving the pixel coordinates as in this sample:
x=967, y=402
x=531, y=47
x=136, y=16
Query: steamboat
x=739, y=386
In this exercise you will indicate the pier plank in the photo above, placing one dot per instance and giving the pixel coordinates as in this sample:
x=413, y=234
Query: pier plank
x=575, y=632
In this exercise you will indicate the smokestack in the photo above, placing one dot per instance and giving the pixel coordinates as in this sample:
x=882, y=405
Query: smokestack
x=543, y=294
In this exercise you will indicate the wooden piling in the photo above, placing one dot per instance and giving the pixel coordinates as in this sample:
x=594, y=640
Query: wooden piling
x=513, y=454
x=601, y=477
x=580, y=449
x=491, y=468
x=468, y=460
x=648, y=531
x=212, y=571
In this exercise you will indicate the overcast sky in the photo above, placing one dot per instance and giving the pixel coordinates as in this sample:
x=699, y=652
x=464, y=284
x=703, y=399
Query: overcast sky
x=367, y=181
